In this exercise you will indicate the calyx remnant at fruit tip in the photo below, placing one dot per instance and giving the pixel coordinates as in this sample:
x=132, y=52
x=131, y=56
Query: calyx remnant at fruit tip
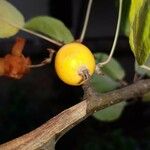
x=84, y=72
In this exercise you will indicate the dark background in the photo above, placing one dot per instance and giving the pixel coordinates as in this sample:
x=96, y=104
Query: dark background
x=27, y=103
x=102, y=20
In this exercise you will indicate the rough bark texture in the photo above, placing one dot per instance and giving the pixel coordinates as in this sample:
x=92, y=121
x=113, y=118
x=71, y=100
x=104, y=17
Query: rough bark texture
x=47, y=135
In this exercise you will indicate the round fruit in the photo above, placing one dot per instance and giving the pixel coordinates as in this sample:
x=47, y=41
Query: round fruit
x=72, y=61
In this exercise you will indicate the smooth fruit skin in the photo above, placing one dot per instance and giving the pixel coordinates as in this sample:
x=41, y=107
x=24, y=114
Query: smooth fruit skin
x=70, y=60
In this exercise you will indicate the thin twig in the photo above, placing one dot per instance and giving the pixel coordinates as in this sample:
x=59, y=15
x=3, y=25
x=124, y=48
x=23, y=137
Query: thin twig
x=86, y=20
x=46, y=61
x=115, y=38
x=42, y=36
x=33, y=33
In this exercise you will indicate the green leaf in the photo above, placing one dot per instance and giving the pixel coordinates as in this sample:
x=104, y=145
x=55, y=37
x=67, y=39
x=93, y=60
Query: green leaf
x=9, y=15
x=51, y=27
x=125, y=27
x=112, y=69
x=146, y=97
x=125, y=17
x=103, y=83
x=110, y=113
x=140, y=29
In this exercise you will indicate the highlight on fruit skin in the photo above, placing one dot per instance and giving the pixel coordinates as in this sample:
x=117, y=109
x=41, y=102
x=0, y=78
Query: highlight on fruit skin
x=72, y=62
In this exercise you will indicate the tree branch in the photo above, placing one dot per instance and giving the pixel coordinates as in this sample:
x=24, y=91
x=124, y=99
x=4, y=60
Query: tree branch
x=48, y=134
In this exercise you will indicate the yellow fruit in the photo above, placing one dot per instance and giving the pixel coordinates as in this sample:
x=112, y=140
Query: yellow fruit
x=71, y=60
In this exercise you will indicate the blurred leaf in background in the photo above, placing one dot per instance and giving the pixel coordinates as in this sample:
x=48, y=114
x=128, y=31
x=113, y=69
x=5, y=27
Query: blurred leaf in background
x=146, y=97
x=113, y=73
x=125, y=17
x=9, y=15
x=111, y=113
x=111, y=140
x=103, y=83
x=112, y=69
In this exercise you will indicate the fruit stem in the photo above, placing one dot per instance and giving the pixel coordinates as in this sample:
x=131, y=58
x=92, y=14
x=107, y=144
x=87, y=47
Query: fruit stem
x=46, y=61
x=84, y=72
x=86, y=20
x=33, y=33
x=115, y=38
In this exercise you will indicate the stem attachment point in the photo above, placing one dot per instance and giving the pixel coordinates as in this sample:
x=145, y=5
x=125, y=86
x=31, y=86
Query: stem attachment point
x=84, y=73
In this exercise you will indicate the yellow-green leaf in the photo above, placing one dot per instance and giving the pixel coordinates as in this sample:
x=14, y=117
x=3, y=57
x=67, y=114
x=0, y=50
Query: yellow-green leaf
x=139, y=18
x=9, y=15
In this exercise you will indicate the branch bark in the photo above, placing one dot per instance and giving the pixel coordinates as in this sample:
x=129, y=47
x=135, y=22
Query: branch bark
x=46, y=136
